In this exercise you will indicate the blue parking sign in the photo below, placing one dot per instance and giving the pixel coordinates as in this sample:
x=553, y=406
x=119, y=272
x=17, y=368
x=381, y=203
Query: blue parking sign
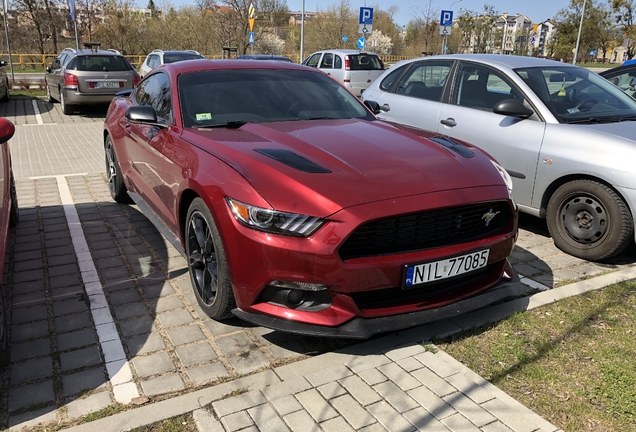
x=446, y=20
x=366, y=16
x=250, y=38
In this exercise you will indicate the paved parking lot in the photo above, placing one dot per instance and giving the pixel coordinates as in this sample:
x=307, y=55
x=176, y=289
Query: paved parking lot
x=102, y=310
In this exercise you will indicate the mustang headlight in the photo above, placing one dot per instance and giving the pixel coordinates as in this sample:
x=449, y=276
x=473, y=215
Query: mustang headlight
x=275, y=222
x=504, y=175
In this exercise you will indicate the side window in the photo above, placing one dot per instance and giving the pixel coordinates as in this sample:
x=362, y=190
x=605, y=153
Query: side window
x=425, y=80
x=481, y=88
x=313, y=60
x=337, y=62
x=625, y=81
x=327, y=61
x=155, y=92
x=153, y=62
x=391, y=77
x=56, y=63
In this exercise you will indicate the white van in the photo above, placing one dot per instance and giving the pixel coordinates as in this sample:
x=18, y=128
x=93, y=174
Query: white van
x=355, y=69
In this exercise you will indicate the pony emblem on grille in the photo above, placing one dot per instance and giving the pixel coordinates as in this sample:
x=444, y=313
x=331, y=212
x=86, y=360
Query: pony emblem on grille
x=489, y=216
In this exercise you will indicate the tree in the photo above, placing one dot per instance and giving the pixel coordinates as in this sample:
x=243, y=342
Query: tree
x=89, y=11
x=625, y=12
x=383, y=44
x=47, y=21
x=422, y=33
x=326, y=29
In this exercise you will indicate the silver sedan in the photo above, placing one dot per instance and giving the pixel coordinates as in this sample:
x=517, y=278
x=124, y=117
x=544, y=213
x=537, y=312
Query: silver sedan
x=565, y=135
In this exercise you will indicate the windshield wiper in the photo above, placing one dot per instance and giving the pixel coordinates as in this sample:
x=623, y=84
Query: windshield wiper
x=233, y=124
x=595, y=120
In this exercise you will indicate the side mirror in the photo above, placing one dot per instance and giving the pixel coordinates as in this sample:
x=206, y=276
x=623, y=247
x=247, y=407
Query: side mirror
x=143, y=115
x=3, y=63
x=513, y=108
x=373, y=106
x=7, y=129
x=48, y=69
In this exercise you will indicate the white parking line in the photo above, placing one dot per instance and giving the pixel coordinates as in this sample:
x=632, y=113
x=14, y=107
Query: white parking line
x=117, y=365
x=38, y=117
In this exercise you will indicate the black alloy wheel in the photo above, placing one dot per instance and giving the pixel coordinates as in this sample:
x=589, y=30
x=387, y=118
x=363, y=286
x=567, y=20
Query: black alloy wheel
x=589, y=220
x=206, y=261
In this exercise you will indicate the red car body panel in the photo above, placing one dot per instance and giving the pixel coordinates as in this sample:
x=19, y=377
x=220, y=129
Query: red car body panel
x=377, y=170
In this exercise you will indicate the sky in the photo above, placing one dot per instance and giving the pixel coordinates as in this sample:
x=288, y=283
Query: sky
x=536, y=10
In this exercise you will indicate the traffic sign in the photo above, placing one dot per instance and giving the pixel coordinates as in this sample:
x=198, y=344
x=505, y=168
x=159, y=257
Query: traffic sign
x=365, y=29
x=251, y=21
x=446, y=20
x=444, y=30
x=533, y=39
x=592, y=52
x=345, y=38
x=361, y=43
x=250, y=38
x=366, y=16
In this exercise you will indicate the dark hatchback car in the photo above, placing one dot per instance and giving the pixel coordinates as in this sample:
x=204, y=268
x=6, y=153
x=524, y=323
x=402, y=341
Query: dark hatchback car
x=298, y=210
x=88, y=76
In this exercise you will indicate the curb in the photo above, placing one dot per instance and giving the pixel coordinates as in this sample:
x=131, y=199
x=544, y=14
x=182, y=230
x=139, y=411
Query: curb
x=197, y=400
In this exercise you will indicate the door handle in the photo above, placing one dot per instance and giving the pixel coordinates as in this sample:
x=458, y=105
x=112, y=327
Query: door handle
x=450, y=122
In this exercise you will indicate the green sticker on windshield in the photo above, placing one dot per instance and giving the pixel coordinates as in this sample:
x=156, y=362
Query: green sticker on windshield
x=204, y=116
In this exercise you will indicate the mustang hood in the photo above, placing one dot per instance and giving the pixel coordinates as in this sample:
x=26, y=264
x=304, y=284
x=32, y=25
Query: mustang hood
x=322, y=166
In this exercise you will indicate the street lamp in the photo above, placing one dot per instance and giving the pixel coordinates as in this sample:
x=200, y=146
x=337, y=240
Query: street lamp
x=578, y=38
x=445, y=36
x=302, y=34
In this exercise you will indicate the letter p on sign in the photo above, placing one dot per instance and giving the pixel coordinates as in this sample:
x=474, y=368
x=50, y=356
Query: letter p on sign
x=446, y=18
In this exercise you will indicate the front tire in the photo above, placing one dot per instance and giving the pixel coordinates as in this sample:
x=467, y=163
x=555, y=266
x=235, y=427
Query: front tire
x=206, y=261
x=4, y=342
x=5, y=98
x=589, y=220
x=116, y=185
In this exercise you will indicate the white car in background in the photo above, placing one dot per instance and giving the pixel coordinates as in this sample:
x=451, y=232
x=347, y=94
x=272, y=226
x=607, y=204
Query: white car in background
x=158, y=57
x=355, y=69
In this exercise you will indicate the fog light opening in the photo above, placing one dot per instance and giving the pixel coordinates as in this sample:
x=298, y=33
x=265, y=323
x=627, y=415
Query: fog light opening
x=294, y=298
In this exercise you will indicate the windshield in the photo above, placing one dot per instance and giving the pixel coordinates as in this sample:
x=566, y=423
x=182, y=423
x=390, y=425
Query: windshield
x=221, y=97
x=101, y=63
x=175, y=57
x=577, y=95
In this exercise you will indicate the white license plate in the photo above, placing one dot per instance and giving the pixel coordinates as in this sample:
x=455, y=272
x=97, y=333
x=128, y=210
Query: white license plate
x=433, y=271
x=107, y=84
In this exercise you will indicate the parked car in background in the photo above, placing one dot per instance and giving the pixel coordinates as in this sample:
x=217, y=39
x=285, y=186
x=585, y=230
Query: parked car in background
x=355, y=69
x=564, y=134
x=88, y=76
x=624, y=77
x=297, y=210
x=158, y=57
x=264, y=57
x=4, y=82
x=9, y=215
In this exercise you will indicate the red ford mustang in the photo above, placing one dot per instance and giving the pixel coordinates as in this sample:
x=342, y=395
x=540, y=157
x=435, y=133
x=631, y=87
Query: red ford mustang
x=298, y=210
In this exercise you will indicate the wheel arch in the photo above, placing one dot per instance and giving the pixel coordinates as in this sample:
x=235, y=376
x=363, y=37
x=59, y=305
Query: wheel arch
x=187, y=197
x=556, y=184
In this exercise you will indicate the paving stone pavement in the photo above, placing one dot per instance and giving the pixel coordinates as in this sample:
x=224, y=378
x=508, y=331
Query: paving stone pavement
x=75, y=351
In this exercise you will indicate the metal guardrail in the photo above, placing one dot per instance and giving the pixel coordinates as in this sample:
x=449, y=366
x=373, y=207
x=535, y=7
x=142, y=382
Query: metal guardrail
x=41, y=61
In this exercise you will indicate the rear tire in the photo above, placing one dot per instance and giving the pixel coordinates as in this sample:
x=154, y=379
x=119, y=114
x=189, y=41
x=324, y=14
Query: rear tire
x=49, y=98
x=206, y=262
x=589, y=220
x=14, y=216
x=5, y=98
x=66, y=108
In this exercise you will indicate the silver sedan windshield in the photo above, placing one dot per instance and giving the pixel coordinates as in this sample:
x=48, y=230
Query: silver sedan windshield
x=576, y=95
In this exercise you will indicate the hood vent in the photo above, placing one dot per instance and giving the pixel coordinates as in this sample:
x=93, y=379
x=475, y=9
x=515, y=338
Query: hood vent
x=455, y=146
x=293, y=160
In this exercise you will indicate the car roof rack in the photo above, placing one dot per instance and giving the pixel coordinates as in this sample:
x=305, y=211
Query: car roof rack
x=157, y=50
x=93, y=46
x=193, y=51
x=69, y=49
x=113, y=50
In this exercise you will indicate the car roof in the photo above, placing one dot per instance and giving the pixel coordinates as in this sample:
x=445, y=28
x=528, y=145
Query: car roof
x=261, y=56
x=175, y=51
x=618, y=69
x=346, y=51
x=92, y=52
x=205, y=65
x=510, y=61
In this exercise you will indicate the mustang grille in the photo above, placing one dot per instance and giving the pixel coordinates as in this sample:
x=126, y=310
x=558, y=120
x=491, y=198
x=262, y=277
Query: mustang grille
x=426, y=230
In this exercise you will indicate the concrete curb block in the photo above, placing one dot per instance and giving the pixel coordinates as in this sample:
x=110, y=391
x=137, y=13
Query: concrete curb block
x=290, y=373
